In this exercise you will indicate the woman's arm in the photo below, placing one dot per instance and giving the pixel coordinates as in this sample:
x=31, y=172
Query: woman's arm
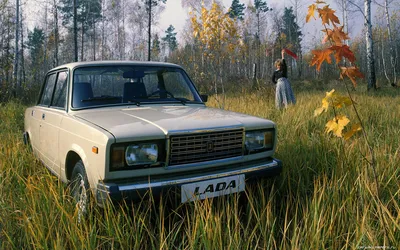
x=284, y=67
x=273, y=78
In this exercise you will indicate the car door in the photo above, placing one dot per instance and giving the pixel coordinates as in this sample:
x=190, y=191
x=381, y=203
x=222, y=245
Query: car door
x=52, y=113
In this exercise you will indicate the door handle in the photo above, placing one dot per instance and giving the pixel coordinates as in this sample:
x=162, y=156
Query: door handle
x=43, y=116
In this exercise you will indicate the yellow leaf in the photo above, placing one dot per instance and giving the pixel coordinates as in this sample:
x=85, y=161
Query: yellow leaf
x=311, y=10
x=336, y=125
x=330, y=93
x=318, y=111
x=325, y=103
x=352, y=131
x=341, y=101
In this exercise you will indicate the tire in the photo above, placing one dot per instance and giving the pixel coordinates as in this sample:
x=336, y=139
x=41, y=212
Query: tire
x=79, y=189
x=27, y=142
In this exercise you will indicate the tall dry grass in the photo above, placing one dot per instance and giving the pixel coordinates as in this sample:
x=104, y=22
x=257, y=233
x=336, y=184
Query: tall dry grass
x=324, y=199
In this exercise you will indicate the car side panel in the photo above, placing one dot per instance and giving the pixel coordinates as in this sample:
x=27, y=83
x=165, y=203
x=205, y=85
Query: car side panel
x=49, y=137
x=80, y=137
x=32, y=123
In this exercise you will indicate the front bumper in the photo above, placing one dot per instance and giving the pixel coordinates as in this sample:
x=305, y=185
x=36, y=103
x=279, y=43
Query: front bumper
x=134, y=191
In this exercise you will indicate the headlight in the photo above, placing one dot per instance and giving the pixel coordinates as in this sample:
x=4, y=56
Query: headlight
x=258, y=141
x=136, y=155
x=141, y=154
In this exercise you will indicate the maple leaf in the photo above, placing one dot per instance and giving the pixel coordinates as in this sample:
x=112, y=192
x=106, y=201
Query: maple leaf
x=328, y=15
x=352, y=131
x=352, y=73
x=336, y=35
x=324, y=108
x=320, y=56
x=311, y=10
x=341, y=101
x=325, y=103
x=336, y=125
x=343, y=51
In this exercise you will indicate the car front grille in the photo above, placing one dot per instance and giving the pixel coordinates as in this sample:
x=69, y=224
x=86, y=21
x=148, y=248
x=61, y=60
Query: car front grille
x=185, y=149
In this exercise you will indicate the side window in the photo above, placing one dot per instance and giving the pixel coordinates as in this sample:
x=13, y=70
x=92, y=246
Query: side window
x=48, y=90
x=60, y=93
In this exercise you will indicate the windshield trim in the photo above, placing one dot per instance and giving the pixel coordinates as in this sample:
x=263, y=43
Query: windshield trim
x=142, y=104
x=176, y=68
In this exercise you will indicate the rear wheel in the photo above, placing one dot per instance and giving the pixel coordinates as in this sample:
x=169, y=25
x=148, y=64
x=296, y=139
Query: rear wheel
x=79, y=188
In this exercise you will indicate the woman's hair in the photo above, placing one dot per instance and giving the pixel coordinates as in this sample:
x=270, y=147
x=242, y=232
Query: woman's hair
x=279, y=63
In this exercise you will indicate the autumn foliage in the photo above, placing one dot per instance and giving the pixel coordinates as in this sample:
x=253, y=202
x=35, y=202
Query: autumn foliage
x=337, y=50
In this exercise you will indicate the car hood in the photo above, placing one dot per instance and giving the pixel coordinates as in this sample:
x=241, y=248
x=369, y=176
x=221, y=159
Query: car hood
x=155, y=122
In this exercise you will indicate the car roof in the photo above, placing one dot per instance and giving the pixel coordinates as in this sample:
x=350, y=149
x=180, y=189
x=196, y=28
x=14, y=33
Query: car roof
x=110, y=63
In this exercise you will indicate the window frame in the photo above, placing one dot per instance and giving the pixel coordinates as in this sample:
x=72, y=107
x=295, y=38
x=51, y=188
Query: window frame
x=66, y=91
x=44, y=85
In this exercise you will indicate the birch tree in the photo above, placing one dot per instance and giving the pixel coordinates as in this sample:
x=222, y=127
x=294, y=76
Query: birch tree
x=370, y=46
x=56, y=35
x=369, y=42
x=391, y=46
x=16, y=52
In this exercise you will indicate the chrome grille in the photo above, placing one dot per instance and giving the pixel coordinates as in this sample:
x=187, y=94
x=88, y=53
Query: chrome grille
x=202, y=147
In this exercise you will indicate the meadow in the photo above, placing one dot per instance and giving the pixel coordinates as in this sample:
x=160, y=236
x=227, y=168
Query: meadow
x=325, y=198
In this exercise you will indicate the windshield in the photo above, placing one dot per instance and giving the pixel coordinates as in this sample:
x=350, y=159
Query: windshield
x=116, y=85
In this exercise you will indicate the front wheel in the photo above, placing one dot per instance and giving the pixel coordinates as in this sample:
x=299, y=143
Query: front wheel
x=80, y=189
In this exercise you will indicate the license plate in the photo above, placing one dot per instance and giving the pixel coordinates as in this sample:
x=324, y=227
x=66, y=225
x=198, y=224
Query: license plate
x=212, y=188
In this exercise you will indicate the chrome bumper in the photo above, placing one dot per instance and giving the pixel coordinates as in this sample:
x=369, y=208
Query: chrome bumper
x=133, y=190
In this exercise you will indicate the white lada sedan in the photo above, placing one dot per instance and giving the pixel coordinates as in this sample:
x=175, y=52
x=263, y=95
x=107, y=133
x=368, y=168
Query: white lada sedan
x=121, y=129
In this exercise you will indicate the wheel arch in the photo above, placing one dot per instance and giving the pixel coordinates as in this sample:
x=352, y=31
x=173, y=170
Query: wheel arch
x=70, y=161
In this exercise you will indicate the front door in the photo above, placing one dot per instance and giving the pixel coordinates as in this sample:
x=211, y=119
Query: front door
x=51, y=113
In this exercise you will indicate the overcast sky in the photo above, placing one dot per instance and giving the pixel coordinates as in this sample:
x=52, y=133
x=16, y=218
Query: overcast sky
x=177, y=16
x=174, y=14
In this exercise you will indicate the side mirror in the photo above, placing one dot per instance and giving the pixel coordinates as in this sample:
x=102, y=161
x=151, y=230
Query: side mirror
x=204, y=98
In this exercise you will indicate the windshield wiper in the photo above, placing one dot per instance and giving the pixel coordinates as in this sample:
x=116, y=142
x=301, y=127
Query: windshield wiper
x=181, y=100
x=133, y=101
x=101, y=98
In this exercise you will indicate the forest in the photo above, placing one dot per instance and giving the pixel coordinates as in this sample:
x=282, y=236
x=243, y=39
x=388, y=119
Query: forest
x=244, y=41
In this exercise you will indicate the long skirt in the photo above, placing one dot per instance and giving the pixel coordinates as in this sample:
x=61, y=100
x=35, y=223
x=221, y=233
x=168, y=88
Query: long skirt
x=284, y=93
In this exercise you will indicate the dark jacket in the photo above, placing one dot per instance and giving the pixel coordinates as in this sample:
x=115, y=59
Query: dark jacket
x=280, y=73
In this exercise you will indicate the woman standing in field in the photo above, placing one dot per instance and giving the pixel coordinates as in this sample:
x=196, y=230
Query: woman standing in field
x=284, y=93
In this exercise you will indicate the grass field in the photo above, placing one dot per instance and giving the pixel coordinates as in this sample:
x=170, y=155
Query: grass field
x=325, y=197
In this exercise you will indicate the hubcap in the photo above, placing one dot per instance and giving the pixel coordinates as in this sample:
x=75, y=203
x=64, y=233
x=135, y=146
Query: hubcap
x=80, y=196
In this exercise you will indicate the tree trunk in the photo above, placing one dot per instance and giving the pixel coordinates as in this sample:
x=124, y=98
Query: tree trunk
x=391, y=46
x=16, y=54
x=149, y=41
x=94, y=40
x=8, y=47
x=370, y=46
x=55, y=32
x=75, y=31
x=46, y=35
x=82, y=39
x=123, y=31
x=22, y=52
x=102, y=31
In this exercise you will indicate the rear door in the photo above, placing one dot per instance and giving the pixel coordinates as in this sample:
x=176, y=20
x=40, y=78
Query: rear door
x=51, y=112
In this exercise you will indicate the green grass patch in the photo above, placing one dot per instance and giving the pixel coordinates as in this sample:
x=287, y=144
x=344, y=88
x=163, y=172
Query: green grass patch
x=324, y=198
